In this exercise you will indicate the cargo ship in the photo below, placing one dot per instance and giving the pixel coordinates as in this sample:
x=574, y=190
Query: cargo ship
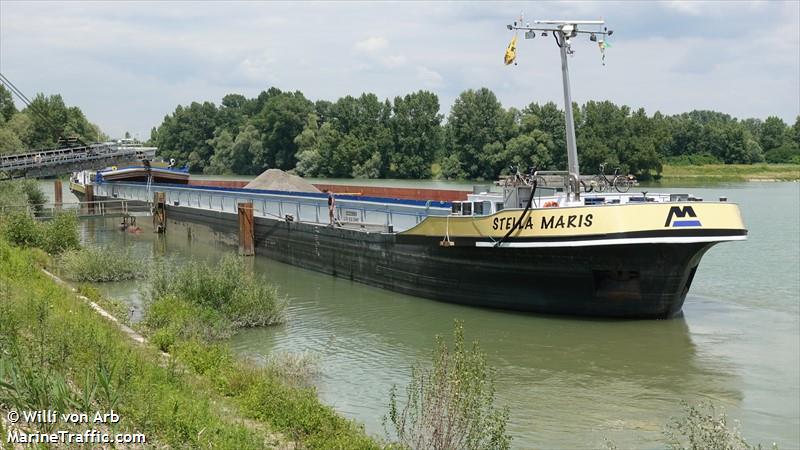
x=525, y=247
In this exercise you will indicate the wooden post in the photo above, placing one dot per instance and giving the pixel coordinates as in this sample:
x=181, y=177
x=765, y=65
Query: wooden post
x=89, y=193
x=246, y=229
x=159, y=212
x=59, y=194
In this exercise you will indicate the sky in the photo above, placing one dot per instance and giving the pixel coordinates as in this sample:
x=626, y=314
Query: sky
x=128, y=64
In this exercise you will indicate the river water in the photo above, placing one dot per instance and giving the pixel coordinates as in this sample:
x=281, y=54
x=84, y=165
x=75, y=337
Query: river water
x=568, y=382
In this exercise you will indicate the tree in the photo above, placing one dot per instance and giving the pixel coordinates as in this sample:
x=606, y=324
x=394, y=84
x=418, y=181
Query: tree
x=185, y=135
x=599, y=132
x=476, y=120
x=532, y=147
x=309, y=157
x=21, y=125
x=234, y=113
x=280, y=121
x=9, y=142
x=7, y=107
x=550, y=119
x=220, y=163
x=417, y=134
x=51, y=119
x=318, y=151
x=235, y=156
x=451, y=404
x=781, y=142
x=366, y=136
x=733, y=144
x=794, y=134
x=636, y=151
x=773, y=133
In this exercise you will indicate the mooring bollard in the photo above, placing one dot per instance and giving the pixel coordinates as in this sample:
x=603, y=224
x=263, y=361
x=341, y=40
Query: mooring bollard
x=246, y=229
x=59, y=194
x=159, y=212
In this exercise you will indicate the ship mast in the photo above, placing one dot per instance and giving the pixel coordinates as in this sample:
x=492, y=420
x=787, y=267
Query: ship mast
x=563, y=31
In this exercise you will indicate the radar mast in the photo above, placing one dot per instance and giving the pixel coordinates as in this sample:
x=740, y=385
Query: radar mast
x=563, y=31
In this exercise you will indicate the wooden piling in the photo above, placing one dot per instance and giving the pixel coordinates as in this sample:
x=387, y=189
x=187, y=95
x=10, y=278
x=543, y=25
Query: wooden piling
x=59, y=193
x=246, y=229
x=89, y=194
x=159, y=212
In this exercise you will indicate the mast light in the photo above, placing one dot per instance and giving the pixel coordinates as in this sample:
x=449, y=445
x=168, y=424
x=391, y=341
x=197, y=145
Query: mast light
x=563, y=31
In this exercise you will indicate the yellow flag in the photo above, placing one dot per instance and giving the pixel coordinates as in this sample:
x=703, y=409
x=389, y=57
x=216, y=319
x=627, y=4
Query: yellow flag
x=511, y=51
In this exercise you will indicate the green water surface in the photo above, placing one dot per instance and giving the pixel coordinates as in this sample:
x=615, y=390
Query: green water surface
x=569, y=383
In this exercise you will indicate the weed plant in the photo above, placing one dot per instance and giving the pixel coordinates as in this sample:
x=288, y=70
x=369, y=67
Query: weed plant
x=18, y=193
x=200, y=301
x=705, y=426
x=451, y=403
x=99, y=264
x=54, y=236
x=298, y=368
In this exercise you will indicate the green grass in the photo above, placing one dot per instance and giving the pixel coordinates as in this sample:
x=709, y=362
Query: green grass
x=732, y=172
x=55, y=351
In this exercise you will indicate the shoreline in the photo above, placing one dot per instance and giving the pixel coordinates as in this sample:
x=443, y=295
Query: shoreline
x=731, y=173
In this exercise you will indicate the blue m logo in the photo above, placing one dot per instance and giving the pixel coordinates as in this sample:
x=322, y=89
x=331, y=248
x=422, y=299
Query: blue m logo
x=681, y=212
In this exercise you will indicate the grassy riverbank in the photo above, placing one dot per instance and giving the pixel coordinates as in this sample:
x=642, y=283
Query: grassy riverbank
x=731, y=172
x=56, y=352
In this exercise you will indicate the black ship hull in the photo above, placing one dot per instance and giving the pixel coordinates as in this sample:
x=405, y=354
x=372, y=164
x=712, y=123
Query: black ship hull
x=630, y=281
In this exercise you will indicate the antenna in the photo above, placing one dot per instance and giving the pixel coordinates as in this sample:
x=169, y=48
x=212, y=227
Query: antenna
x=563, y=31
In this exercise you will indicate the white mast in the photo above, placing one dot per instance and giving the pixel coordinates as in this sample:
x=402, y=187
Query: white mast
x=563, y=31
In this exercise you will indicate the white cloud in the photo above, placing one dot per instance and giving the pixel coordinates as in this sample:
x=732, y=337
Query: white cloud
x=429, y=77
x=371, y=44
x=393, y=61
x=260, y=68
x=373, y=48
x=685, y=6
x=128, y=64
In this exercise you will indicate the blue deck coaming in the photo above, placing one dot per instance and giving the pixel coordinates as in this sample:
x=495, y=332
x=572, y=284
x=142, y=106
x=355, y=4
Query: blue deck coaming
x=303, y=206
x=321, y=195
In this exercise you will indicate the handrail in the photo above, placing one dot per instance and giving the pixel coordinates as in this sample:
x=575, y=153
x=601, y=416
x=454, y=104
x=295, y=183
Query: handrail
x=57, y=157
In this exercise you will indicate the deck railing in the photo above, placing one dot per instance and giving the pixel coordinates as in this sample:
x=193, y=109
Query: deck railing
x=302, y=207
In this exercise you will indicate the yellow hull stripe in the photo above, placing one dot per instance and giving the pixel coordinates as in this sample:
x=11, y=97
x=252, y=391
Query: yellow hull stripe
x=586, y=221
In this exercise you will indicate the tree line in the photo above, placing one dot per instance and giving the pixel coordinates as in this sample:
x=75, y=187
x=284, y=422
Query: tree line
x=407, y=137
x=41, y=124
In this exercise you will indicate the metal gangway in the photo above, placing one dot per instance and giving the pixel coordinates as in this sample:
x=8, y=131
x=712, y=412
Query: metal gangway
x=83, y=210
x=51, y=162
